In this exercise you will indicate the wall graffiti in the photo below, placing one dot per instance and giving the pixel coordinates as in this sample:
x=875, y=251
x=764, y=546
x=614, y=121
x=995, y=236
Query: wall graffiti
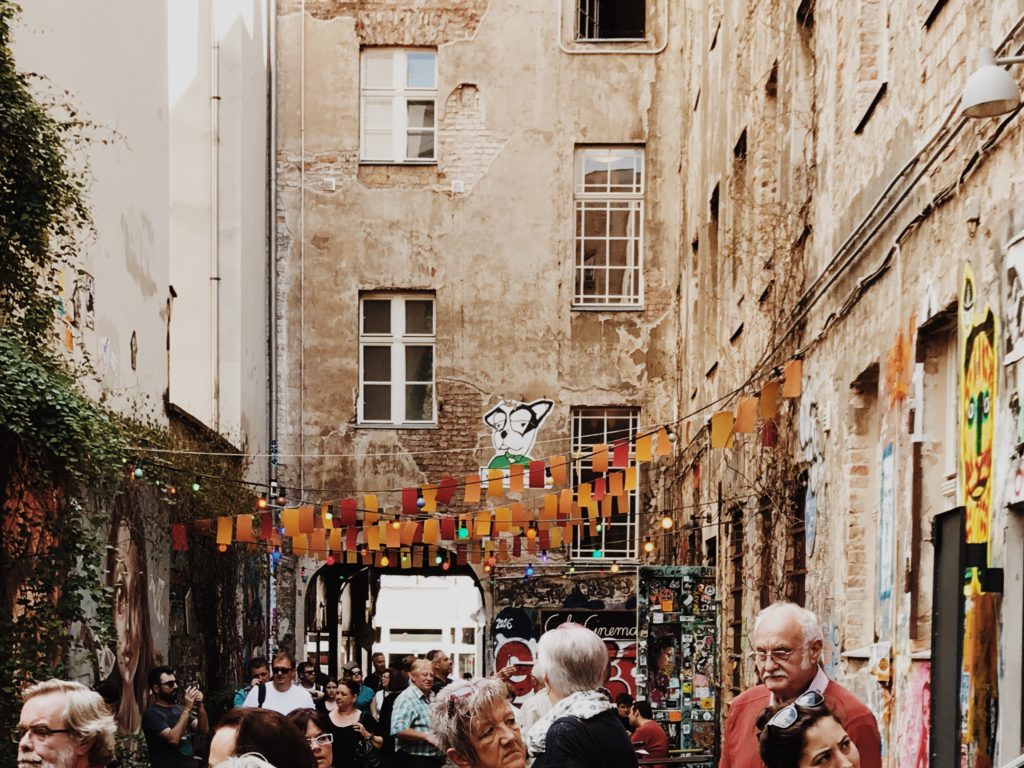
x=886, y=539
x=599, y=591
x=515, y=644
x=979, y=353
x=514, y=427
x=915, y=709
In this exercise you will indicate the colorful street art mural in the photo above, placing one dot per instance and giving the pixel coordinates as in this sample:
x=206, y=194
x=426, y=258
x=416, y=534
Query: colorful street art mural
x=914, y=718
x=514, y=427
x=979, y=353
x=515, y=644
x=886, y=540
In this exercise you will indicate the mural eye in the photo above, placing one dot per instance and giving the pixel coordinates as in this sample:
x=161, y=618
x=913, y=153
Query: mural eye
x=971, y=404
x=985, y=404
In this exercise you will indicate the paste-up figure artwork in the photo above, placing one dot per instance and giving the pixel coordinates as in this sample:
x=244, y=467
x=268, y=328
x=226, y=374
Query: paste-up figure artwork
x=514, y=428
x=979, y=355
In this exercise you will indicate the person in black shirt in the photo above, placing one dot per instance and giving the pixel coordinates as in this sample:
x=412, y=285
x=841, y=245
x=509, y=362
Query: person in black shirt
x=168, y=725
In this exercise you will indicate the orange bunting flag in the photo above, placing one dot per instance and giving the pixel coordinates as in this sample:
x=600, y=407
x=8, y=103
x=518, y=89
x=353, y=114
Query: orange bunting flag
x=472, y=489
x=721, y=430
x=630, y=483
x=431, y=531
x=334, y=543
x=223, y=531
x=515, y=478
x=599, y=458
x=503, y=551
x=746, y=415
x=556, y=537
x=325, y=516
x=393, y=537
x=664, y=447
x=606, y=505
x=644, y=448
x=583, y=497
x=429, y=498
x=564, y=503
x=290, y=521
x=520, y=517
x=502, y=520
x=318, y=543
x=483, y=524
x=532, y=545
x=769, y=404
x=300, y=545
x=306, y=519
x=408, y=532
x=550, y=511
x=495, y=483
x=792, y=372
x=370, y=520
x=417, y=557
x=352, y=556
x=615, y=484
x=243, y=529
x=370, y=502
x=558, y=466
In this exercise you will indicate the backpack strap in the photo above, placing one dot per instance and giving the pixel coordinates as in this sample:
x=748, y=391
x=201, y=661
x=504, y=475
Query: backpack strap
x=261, y=695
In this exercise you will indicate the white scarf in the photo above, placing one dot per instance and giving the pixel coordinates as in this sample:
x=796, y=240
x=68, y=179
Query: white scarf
x=582, y=704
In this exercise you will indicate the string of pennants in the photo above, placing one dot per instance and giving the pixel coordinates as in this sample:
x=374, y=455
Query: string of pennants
x=360, y=530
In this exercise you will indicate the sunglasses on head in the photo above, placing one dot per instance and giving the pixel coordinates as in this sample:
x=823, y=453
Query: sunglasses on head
x=788, y=715
x=282, y=670
x=457, y=696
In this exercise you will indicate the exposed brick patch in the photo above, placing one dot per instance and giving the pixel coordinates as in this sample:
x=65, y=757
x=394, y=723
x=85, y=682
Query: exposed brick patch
x=393, y=22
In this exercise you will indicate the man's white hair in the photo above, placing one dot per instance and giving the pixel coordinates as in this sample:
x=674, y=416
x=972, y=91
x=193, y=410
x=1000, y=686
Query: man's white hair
x=810, y=627
x=85, y=713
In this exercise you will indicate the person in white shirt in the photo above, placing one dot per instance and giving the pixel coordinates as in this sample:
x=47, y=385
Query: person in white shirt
x=282, y=695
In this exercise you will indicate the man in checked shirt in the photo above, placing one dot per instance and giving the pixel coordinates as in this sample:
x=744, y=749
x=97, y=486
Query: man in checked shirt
x=415, y=743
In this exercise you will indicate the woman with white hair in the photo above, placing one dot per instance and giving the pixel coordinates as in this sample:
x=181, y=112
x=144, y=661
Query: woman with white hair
x=583, y=729
x=476, y=726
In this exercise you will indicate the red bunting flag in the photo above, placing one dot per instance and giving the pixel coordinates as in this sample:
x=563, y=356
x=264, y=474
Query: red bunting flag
x=351, y=537
x=599, y=489
x=409, y=496
x=179, y=537
x=266, y=526
x=448, y=528
x=517, y=546
x=446, y=491
x=537, y=474
x=348, y=512
x=620, y=454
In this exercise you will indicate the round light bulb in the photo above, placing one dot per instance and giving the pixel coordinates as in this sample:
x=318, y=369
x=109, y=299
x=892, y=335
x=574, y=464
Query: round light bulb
x=667, y=522
x=385, y=561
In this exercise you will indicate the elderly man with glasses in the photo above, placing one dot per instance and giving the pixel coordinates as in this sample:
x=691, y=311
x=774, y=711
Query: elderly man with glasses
x=169, y=725
x=64, y=725
x=283, y=695
x=788, y=643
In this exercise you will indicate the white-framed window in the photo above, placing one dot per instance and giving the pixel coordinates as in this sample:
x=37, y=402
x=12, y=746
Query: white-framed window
x=396, y=359
x=609, y=202
x=610, y=19
x=617, y=537
x=398, y=100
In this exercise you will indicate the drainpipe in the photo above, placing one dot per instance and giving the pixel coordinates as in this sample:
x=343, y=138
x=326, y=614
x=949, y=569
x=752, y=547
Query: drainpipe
x=215, y=222
x=271, y=251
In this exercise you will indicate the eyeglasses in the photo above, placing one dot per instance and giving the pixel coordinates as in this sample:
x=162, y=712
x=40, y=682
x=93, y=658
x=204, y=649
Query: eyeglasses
x=39, y=733
x=788, y=715
x=282, y=670
x=778, y=655
x=322, y=740
x=170, y=683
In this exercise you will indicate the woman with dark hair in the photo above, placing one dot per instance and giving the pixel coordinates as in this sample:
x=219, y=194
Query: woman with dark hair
x=397, y=682
x=353, y=731
x=247, y=729
x=803, y=734
x=316, y=728
x=328, y=704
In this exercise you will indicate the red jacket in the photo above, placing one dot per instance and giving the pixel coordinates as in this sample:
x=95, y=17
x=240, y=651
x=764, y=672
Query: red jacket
x=740, y=745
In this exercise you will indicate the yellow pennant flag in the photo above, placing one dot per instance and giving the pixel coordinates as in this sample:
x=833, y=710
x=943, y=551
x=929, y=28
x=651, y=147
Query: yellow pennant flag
x=429, y=498
x=318, y=543
x=495, y=483
x=370, y=502
x=721, y=430
x=335, y=540
x=243, y=529
x=558, y=466
x=555, y=539
x=372, y=535
x=515, y=478
x=630, y=483
x=408, y=533
x=664, y=447
x=472, y=489
x=792, y=371
x=351, y=557
x=223, y=531
x=520, y=517
x=565, y=502
x=290, y=521
x=644, y=448
x=393, y=537
x=431, y=531
x=502, y=520
x=769, y=400
x=483, y=523
x=746, y=415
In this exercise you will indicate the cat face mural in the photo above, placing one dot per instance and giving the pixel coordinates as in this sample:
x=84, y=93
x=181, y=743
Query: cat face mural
x=514, y=428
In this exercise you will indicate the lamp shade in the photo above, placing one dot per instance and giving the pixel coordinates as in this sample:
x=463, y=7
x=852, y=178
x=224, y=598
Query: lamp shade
x=991, y=90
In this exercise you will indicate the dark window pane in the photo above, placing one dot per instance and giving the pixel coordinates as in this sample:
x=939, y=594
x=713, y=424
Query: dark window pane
x=377, y=402
x=419, y=402
x=419, y=364
x=376, y=363
x=376, y=316
x=419, y=316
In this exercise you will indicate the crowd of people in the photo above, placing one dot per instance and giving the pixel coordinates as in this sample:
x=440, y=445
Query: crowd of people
x=413, y=715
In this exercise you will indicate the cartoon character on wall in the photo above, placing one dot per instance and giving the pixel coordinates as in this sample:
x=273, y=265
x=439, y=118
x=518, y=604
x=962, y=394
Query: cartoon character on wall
x=514, y=428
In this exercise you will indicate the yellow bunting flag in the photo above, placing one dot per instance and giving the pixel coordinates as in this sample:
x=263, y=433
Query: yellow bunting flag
x=335, y=540
x=483, y=523
x=565, y=503
x=769, y=400
x=300, y=545
x=746, y=415
x=431, y=531
x=550, y=511
x=370, y=502
x=520, y=517
x=556, y=537
x=630, y=482
x=721, y=430
x=615, y=484
x=408, y=533
x=224, y=531
x=503, y=520
x=318, y=543
x=306, y=519
x=599, y=458
x=372, y=536
x=584, y=497
x=351, y=557
x=644, y=448
x=429, y=498
x=664, y=447
x=606, y=505
x=325, y=514
x=495, y=483
x=792, y=372
x=515, y=478
x=290, y=521
x=472, y=489
x=243, y=529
